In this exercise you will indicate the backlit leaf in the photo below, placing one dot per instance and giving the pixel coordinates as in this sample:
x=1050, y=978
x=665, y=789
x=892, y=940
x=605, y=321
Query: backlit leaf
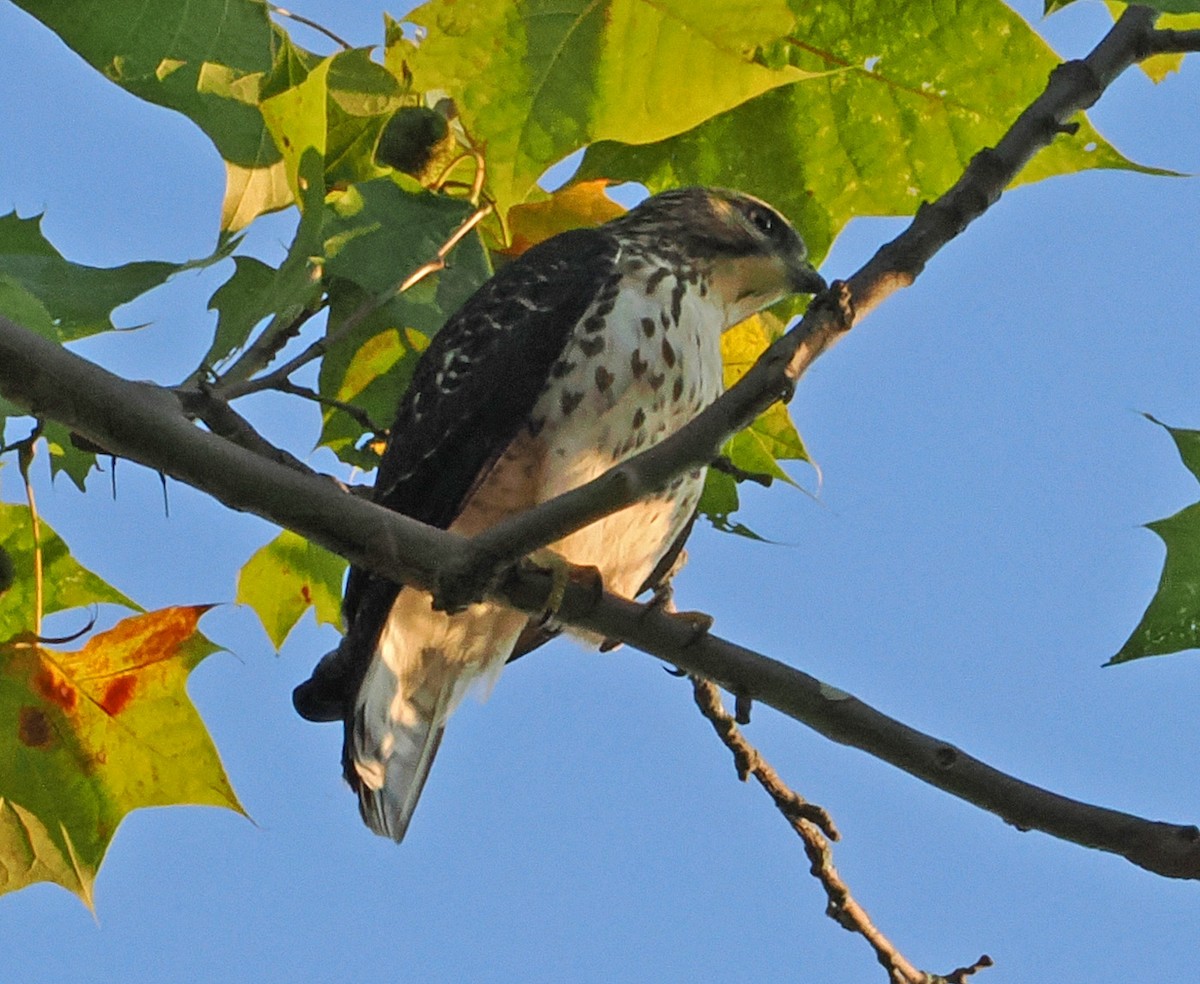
x=760, y=447
x=1171, y=623
x=1158, y=67
x=94, y=734
x=577, y=206
x=534, y=80
x=65, y=582
x=376, y=233
x=923, y=88
x=205, y=59
x=287, y=577
x=78, y=299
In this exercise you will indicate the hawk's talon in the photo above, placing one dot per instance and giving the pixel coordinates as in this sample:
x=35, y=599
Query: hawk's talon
x=662, y=599
x=562, y=573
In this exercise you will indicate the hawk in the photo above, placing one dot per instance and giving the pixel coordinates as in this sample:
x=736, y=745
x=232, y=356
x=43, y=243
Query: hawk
x=588, y=348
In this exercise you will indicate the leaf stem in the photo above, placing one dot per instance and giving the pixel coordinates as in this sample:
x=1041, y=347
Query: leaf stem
x=300, y=19
x=24, y=460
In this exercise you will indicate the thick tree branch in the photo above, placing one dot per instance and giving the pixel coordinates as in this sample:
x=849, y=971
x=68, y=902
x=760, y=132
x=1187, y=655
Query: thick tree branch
x=146, y=423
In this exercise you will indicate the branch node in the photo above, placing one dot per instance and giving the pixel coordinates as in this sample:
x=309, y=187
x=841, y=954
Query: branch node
x=960, y=975
x=722, y=464
x=946, y=757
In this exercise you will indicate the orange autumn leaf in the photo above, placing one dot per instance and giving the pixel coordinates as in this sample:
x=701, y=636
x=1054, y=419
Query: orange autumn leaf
x=94, y=734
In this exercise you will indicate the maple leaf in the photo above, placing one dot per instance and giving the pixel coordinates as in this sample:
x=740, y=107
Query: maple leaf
x=94, y=734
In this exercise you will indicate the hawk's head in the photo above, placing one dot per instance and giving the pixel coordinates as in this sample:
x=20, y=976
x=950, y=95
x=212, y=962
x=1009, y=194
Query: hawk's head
x=754, y=255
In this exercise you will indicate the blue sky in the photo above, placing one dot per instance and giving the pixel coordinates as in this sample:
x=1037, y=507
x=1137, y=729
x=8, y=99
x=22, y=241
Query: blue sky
x=974, y=555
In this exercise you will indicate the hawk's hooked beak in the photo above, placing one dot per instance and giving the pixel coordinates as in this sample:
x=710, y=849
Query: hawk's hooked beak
x=804, y=279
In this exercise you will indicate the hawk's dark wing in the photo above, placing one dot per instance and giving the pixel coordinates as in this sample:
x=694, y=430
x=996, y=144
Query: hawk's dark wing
x=470, y=395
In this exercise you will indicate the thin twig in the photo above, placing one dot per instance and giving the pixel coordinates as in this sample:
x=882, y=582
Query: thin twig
x=722, y=463
x=439, y=262
x=346, y=46
x=815, y=829
x=360, y=416
x=368, y=307
x=262, y=351
x=222, y=420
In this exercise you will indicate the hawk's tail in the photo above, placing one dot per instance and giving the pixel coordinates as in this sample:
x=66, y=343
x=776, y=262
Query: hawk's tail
x=389, y=747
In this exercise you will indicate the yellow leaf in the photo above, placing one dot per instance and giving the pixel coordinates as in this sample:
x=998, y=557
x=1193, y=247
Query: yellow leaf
x=94, y=734
x=772, y=437
x=577, y=206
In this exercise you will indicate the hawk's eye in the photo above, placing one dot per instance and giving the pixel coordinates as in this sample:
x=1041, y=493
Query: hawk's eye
x=763, y=221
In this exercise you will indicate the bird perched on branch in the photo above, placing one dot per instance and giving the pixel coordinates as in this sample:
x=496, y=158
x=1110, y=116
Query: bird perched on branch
x=588, y=348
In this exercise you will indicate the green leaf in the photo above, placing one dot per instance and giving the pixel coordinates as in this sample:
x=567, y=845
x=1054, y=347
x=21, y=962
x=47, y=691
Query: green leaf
x=256, y=291
x=23, y=308
x=537, y=79
x=370, y=369
x=241, y=303
x=924, y=87
x=772, y=437
x=339, y=109
x=1171, y=623
x=363, y=96
x=94, y=734
x=65, y=583
x=286, y=578
x=77, y=300
x=205, y=59
x=377, y=233
x=66, y=457
x=719, y=501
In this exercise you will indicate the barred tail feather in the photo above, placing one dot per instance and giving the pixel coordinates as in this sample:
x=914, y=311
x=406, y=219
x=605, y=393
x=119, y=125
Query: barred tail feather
x=390, y=747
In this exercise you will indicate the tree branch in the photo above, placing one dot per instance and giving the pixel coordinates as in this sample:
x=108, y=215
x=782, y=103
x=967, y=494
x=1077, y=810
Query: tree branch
x=224, y=421
x=1168, y=42
x=146, y=423
x=815, y=829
